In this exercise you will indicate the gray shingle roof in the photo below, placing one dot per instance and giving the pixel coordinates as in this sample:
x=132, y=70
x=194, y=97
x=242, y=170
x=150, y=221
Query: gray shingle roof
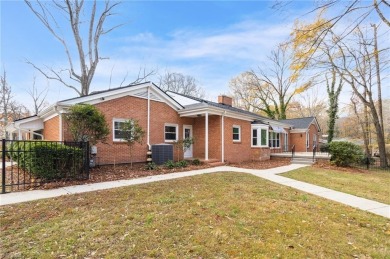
x=299, y=123
x=220, y=105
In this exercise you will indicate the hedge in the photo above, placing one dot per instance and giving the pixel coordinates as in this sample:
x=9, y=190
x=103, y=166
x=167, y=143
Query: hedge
x=345, y=153
x=47, y=160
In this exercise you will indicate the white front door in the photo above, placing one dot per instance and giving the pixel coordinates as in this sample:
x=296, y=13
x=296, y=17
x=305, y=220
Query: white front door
x=187, y=133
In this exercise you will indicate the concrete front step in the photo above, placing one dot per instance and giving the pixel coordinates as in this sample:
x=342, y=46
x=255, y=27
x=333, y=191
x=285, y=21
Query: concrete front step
x=302, y=161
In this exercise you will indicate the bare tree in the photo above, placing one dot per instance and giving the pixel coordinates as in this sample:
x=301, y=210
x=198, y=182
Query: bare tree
x=184, y=84
x=363, y=121
x=309, y=104
x=38, y=97
x=10, y=109
x=276, y=83
x=88, y=57
x=355, y=63
x=243, y=89
x=6, y=98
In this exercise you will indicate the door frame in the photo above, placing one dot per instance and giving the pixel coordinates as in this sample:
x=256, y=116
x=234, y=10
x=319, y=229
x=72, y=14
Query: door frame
x=191, y=149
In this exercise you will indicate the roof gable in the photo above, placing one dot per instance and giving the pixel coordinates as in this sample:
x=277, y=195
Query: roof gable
x=302, y=123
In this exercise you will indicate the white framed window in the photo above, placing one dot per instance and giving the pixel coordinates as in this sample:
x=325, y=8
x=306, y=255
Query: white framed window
x=236, y=133
x=307, y=140
x=171, y=132
x=259, y=136
x=274, y=139
x=117, y=133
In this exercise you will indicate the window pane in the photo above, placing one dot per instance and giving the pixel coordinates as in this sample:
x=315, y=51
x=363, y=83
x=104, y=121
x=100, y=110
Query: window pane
x=170, y=133
x=236, y=130
x=263, y=137
x=236, y=137
x=171, y=129
x=170, y=136
x=254, y=141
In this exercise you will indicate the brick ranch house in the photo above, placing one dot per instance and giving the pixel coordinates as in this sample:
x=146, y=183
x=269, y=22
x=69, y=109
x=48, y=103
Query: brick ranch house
x=221, y=131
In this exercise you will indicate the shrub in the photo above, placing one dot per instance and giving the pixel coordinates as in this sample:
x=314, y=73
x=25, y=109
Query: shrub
x=196, y=162
x=182, y=163
x=170, y=164
x=48, y=160
x=345, y=153
x=151, y=166
x=324, y=148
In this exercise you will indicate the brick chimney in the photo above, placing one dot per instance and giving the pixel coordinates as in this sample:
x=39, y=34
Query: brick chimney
x=223, y=99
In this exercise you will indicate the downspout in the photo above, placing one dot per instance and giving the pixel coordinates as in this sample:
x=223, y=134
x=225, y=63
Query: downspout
x=148, y=122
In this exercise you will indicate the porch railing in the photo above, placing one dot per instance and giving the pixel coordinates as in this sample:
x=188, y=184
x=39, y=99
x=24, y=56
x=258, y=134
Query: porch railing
x=282, y=149
x=292, y=151
x=314, y=152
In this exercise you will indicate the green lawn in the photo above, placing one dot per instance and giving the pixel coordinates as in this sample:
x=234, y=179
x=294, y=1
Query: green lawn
x=370, y=185
x=224, y=215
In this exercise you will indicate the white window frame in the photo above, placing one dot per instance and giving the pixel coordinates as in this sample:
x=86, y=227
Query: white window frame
x=269, y=140
x=113, y=129
x=259, y=129
x=307, y=140
x=177, y=132
x=239, y=133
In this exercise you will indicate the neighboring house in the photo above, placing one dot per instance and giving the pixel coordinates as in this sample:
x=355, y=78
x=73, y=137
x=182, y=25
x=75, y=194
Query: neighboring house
x=305, y=133
x=221, y=132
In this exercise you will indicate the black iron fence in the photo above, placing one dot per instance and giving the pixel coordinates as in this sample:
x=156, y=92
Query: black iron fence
x=371, y=163
x=26, y=164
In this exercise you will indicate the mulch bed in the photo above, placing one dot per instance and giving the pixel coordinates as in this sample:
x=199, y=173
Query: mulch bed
x=124, y=172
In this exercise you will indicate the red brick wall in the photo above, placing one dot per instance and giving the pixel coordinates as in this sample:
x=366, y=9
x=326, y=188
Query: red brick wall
x=237, y=151
x=299, y=139
x=260, y=153
x=136, y=108
x=51, y=129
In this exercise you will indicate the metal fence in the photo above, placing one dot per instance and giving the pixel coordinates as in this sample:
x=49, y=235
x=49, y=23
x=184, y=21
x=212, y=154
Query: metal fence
x=371, y=163
x=26, y=164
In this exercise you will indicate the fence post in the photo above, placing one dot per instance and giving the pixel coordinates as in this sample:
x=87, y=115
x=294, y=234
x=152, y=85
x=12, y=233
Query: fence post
x=87, y=158
x=3, y=166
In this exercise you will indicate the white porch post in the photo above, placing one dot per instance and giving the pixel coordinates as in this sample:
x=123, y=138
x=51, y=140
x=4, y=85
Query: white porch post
x=20, y=135
x=223, y=138
x=60, y=133
x=206, y=139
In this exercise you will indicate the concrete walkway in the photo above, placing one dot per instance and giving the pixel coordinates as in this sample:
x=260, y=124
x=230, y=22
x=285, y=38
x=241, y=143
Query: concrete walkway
x=269, y=174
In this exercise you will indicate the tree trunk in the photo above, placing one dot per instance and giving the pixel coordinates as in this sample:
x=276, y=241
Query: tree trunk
x=378, y=77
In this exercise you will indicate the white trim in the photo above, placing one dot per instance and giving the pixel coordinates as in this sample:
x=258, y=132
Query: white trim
x=298, y=131
x=223, y=138
x=121, y=92
x=177, y=132
x=60, y=127
x=259, y=128
x=206, y=139
x=191, y=135
x=239, y=133
x=279, y=138
x=307, y=140
x=148, y=122
x=113, y=129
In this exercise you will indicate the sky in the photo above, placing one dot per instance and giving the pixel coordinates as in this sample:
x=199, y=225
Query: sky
x=213, y=41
